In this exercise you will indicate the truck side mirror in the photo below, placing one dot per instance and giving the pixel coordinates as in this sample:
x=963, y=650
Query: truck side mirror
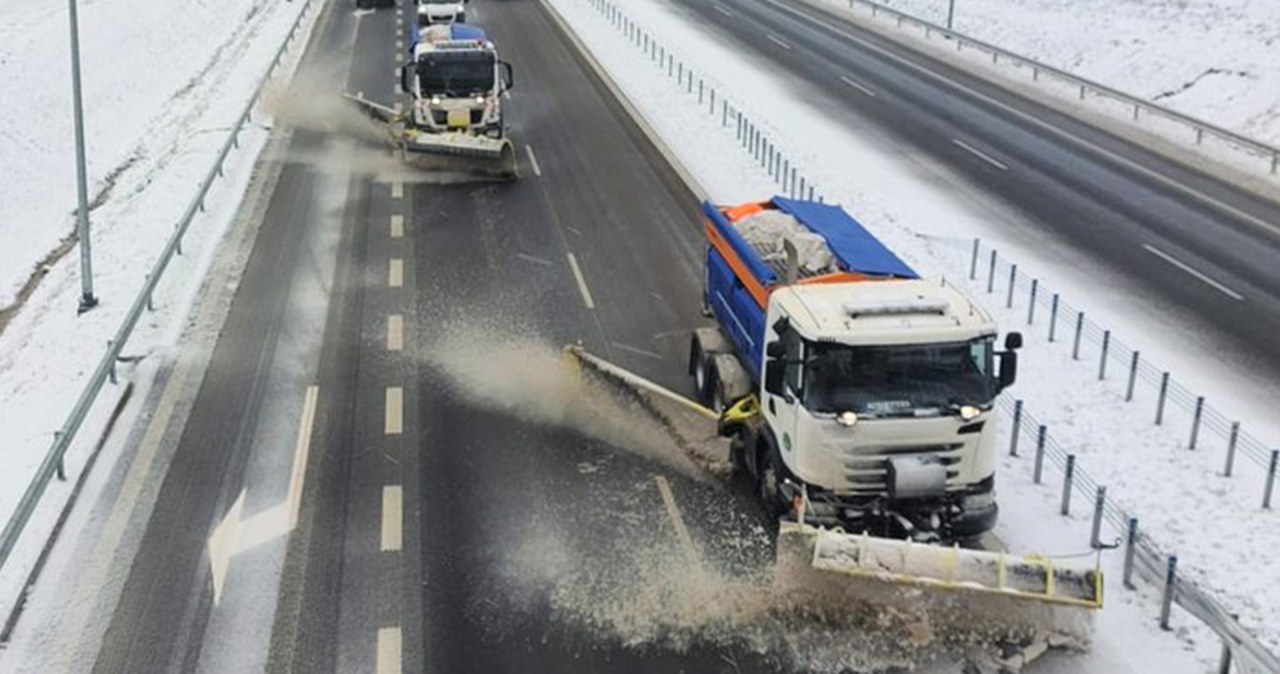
x=776, y=349
x=1009, y=365
x=775, y=376
x=508, y=75
x=782, y=326
x=1013, y=341
x=405, y=73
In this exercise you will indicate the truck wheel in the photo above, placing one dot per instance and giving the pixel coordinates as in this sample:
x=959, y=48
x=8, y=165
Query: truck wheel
x=700, y=368
x=769, y=481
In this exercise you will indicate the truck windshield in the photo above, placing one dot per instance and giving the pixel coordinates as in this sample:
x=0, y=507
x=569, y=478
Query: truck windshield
x=456, y=73
x=898, y=380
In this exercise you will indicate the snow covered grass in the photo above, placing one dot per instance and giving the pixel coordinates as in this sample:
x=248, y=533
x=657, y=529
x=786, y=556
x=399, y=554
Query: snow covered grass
x=172, y=79
x=1212, y=59
x=929, y=217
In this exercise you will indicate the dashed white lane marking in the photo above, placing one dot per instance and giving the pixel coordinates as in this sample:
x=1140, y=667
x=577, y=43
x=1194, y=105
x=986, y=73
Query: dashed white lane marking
x=582, y=282
x=722, y=10
x=394, y=423
x=397, y=189
x=395, y=273
x=388, y=651
x=399, y=47
x=397, y=226
x=533, y=160
x=979, y=154
x=1193, y=271
x=395, y=332
x=677, y=522
x=535, y=260
x=857, y=85
x=1041, y=124
x=392, y=518
x=777, y=40
x=637, y=351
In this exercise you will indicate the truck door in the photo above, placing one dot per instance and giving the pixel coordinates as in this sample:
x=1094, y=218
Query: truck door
x=781, y=408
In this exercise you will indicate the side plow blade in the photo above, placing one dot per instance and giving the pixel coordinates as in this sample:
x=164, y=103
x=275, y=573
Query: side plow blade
x=462, y=153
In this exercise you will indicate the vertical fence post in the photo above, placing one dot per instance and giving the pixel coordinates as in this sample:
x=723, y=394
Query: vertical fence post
x=1068, y=476
x=973, y=260
x=1102, y=363
x=1053, y=317
x=991, y=273
x=1224, y=660
x=1195, y=422
x=1231, y=449
x=1013, y=281
x=810, y=192
x=1164, y=392
x=1075, y=349
x=1170, y=584
x=1031, y=308
x=1099, y=506
x=1271, y=479
x=1130, y=548
x=1039, y=467
x=1017, y=427
x=112, y=372
x=1133, y=375
x=61, y=468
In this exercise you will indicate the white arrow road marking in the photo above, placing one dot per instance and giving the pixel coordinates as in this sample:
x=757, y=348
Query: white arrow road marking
x=235, y=534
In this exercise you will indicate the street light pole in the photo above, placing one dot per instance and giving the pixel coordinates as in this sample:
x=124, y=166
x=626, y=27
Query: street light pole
x=87, y=300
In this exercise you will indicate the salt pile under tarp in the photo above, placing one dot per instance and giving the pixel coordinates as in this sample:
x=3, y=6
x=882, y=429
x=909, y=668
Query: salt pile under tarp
x=768, y=230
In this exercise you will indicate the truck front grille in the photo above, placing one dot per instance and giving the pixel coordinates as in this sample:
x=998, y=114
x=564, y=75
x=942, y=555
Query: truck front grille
x=866, y=472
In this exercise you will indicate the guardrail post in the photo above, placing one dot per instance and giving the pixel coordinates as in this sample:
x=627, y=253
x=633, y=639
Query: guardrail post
x=1164, y=392
x=1075, y=349
x=1031, y=309
x=1195, y=422
x=1231, y=448
x=1271, y=479
x=61, y=470
x=1199, y=134
x=699, y=90
x=112, y=371
x=724, y=113
x=1133, y=375
x=1013, y=281
x=810, y=192
x=991, y=273
x=1130, y=548
x=1035, y=74
x=1053, y=317
x=1099, y=505
x=1224, y=660
x=1017, y=427
x=1068, y=476
x=1082, y=92
x=802, y=186
x=1135, y=112
x=1102, y=364
x=1170, y=584
x=786, y=170
x=1039, y=467
x=973, y=260
x=712, y=109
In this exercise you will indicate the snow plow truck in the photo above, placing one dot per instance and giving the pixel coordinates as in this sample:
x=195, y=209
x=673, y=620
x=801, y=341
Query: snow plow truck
x=858, y=401
x=456, y=84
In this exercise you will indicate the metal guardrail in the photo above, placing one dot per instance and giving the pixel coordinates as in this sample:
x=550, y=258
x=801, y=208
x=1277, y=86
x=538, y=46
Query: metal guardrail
x=1240, y=647
x=52, y=465
x=1086, y=86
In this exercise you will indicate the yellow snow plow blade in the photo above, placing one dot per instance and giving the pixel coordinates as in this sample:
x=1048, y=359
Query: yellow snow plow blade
x=949, y=590
x=449, y=152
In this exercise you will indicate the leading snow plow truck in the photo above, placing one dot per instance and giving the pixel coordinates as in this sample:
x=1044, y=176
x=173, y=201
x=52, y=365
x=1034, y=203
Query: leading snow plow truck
x=858, y=400
x=456, y=84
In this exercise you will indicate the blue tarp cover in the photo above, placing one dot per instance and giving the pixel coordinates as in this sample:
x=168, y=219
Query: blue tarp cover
x=856, y=248
x=457, y=31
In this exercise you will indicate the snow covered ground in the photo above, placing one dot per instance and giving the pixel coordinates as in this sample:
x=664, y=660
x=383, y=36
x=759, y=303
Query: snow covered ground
x=930, y=216
x=1212, y=59
x=163, y=84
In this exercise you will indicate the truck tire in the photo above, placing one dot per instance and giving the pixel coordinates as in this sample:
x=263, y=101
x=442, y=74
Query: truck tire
x=769, y=476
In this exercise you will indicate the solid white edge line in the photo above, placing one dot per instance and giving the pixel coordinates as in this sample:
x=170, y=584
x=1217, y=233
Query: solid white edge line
x=979, y=154
x=394, y=421
x=392, y=538
x=582, y=282
x=1192, y=271
x=301, y=451
x=533, y=160
x=1030, y=119
x=777, y=40
x=387, y=653
x=858, y=86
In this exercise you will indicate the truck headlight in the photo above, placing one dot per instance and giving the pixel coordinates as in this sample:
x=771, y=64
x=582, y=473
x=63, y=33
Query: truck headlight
x=479, y=100
x=969, y=412
x=435, y=100
x=847, y=419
